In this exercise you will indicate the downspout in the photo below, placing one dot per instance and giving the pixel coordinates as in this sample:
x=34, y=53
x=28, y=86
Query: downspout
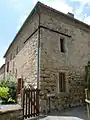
x=38, y=57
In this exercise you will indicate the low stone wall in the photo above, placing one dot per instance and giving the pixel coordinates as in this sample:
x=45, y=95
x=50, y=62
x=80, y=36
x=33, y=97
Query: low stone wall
x=11, y=112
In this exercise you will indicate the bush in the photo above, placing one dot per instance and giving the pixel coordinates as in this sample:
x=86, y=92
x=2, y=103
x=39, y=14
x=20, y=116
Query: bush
x=4, y=93
x=9, y=90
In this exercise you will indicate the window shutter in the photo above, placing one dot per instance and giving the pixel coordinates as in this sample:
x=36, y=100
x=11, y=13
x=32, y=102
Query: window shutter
x=62, y=83
x=19, y=85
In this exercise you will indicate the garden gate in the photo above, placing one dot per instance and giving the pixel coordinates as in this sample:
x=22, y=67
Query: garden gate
x=30, y=102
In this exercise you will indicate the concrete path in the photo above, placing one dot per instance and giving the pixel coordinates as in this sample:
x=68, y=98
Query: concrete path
x=78, y=113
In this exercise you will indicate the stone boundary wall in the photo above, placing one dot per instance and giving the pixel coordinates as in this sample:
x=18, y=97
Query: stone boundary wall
x=11, y=113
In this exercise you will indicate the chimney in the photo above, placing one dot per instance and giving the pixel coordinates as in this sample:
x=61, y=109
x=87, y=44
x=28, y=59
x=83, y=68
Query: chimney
x=70, y=14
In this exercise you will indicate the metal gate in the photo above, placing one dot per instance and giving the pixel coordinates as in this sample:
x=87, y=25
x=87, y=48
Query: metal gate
x=30, y=102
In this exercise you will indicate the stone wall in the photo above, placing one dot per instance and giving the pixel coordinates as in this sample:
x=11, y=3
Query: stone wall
x=25, y=62
x=11, y=113
x=52, y=60
x=14, y=115
x=2, y=72
x=72, y=62
x=29, y=27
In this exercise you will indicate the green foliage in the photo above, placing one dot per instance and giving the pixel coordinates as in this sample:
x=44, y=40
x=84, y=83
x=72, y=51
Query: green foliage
x=10, y=100
x=9, y=90
x=4, y=93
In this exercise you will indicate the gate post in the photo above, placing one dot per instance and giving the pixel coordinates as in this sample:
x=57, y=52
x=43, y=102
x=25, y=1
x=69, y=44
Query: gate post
x=37, y=101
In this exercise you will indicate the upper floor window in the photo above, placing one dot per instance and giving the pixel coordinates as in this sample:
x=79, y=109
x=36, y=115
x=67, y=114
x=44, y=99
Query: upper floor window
x=17, y=50
x=62, y=84
x=62, y=45
x=7, y=66
x=11, y=56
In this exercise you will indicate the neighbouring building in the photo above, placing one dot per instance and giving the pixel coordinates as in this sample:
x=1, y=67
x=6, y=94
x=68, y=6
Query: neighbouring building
x=2, y=72
x=50, y=52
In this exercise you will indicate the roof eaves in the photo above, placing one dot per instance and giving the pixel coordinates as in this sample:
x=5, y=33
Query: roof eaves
x=47, y=7
x=32, y=12
x=66, y=15
x=2, y=66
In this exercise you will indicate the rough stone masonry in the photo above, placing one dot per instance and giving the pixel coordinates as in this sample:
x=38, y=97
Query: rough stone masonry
x=53, y=50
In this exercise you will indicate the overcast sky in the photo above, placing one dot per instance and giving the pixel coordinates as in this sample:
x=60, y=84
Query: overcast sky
x=14, y=12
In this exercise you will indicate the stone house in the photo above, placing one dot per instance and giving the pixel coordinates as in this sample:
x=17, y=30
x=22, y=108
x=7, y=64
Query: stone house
x=50, y=52
x=2, y=72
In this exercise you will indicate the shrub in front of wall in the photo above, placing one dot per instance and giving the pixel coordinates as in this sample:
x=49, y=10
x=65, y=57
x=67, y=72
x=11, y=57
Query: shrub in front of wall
x=12, y=90
x=4, y=94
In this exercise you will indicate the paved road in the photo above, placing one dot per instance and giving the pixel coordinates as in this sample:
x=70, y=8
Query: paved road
x=78, y=113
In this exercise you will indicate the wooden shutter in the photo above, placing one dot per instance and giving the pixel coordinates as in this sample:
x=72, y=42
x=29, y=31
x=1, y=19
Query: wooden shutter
x=62, y=82
x=19, y=85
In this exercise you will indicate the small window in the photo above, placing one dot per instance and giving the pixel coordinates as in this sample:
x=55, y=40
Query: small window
x=19, y=85
x=62, y=85
x=62, y=45
x=17, y=50
x=11, y=56
x=7, y=66
x=13, y=67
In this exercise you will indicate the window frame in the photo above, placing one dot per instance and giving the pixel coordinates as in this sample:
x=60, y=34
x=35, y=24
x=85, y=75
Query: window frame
x=17, y=50
x=62, y=45
x=11, y=56
x=62, y=85
x=7, y=67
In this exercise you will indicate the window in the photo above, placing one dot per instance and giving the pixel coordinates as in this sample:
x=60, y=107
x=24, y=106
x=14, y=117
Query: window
x=11, y=56
x=13, y=67
x=7, y=66
x=62, y=45
x=19, y=85
x=62, y=85
x=17, y=50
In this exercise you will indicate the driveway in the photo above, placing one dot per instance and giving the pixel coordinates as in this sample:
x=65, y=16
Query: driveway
x=78, y=113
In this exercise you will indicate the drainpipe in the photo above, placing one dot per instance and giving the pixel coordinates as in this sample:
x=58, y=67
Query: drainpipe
x=38, y=60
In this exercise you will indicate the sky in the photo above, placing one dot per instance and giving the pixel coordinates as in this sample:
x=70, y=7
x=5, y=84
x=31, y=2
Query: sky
x=14, y=12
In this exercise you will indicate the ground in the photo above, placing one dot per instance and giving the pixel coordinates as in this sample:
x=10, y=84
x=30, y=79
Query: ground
x=78, y=113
